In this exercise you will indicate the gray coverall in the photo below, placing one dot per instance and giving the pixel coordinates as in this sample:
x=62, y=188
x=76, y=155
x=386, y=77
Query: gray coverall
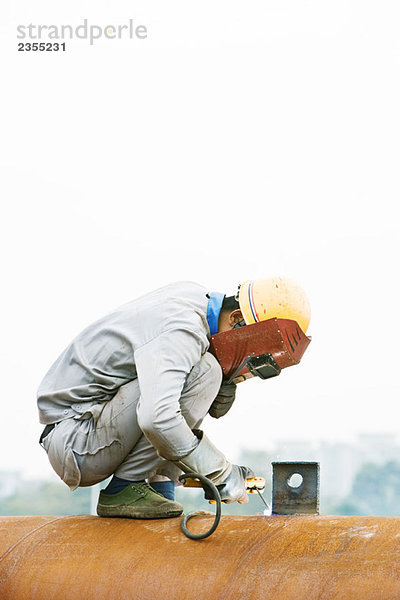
x=129, y=389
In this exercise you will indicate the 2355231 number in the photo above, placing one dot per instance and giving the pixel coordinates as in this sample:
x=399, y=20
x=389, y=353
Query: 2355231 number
x=41, y=47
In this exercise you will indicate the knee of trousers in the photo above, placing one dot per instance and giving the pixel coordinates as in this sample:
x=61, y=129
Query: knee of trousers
x=213, y=374
x=61, y=455
x=201, y=388
x=206, y=374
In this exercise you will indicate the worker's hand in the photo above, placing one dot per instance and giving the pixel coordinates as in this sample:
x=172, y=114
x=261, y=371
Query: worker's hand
x=223, y=401
x=233, y=489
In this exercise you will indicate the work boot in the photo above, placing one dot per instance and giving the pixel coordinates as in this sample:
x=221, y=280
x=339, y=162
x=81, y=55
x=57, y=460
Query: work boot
x=137, y=501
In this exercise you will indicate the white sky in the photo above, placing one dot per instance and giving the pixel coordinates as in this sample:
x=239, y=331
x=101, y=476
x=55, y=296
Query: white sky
x=241, y=139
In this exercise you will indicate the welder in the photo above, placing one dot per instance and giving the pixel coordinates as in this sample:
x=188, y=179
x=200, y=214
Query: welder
x=127, y=397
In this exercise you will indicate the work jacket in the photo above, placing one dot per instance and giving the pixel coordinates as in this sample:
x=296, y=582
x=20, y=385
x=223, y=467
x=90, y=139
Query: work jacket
x=158, y=339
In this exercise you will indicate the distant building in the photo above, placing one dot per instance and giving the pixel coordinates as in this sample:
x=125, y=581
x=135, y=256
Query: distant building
x=339, y=462
x=10, y=481
x=379, y=448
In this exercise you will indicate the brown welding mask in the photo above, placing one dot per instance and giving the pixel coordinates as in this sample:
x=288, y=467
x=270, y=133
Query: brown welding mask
x=262, y=349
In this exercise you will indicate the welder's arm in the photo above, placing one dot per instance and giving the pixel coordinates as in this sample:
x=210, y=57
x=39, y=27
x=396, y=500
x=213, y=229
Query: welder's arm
x=162, y=366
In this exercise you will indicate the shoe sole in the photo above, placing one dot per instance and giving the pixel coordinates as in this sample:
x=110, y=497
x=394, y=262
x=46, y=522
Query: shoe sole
x=127, y=512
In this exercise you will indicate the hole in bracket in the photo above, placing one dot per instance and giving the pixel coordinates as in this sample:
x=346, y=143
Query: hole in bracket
x=295, y=480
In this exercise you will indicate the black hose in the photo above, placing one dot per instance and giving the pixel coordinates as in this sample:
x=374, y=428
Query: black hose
x=209, y=484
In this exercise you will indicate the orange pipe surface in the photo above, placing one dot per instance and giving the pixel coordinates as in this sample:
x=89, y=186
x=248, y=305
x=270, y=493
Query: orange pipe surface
x=280, y=557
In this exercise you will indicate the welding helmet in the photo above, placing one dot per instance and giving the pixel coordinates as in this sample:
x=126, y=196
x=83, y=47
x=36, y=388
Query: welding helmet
x=280, y=297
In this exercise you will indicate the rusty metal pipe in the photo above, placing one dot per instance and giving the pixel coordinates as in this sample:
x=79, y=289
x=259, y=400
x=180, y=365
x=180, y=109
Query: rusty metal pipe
x=280, y=557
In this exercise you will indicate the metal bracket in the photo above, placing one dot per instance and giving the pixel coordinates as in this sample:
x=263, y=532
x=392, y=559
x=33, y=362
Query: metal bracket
x=295, y=488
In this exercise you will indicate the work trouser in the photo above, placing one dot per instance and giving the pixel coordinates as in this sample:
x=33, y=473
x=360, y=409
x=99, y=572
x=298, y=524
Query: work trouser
x=107, y=439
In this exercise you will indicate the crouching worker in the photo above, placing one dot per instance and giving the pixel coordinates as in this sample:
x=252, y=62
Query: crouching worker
x=128, y=395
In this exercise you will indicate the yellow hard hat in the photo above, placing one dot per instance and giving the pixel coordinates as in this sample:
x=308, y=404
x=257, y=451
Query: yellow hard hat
x=279, y=297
